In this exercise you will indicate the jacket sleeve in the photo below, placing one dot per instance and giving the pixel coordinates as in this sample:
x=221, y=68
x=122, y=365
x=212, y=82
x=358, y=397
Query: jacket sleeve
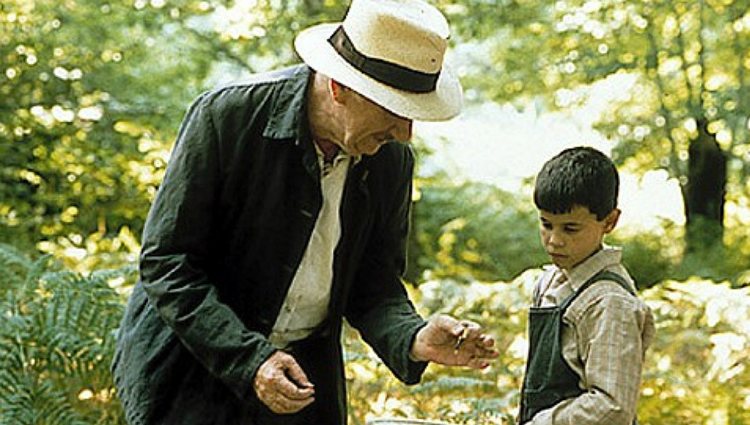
x=379, y=307
x=173, y=262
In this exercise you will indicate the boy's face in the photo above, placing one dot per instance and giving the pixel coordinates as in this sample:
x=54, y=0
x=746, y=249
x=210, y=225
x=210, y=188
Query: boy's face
x=572, y=237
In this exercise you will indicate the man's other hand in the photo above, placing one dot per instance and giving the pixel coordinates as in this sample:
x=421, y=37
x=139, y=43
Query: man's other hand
x=282, y=385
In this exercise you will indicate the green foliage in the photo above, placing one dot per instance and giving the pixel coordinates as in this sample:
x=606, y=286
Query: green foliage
x=91, y=96
x=695, y=371
x=83, y=110
x=686, y=60
x=472, y=231
x=646, y=258
x=698, y=363
x=57, y=342
x=659, y=255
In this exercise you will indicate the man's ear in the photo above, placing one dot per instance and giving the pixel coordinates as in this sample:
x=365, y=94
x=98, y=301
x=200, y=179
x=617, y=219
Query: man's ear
x=610, y=221
x=336, y=90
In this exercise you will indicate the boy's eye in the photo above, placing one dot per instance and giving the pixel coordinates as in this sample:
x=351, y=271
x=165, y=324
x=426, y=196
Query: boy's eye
x=546, y=225
x=572, y=229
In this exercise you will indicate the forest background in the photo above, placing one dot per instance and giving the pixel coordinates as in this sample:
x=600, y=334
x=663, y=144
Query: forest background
x=93, y=91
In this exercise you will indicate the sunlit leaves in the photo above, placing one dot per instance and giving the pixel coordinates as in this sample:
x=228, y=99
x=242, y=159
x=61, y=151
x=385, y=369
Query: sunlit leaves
x=471, y=231
x=692, y=58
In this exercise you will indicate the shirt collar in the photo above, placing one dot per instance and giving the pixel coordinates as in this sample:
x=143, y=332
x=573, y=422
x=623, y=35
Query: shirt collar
x=604, y=258
x=326, y=167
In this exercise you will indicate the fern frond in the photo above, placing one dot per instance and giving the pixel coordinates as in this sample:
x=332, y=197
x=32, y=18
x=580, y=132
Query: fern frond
x=14, y=267
x=56, y=339
x=35, y=402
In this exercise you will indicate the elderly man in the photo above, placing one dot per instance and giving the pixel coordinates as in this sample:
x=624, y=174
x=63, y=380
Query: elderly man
x=283, y=212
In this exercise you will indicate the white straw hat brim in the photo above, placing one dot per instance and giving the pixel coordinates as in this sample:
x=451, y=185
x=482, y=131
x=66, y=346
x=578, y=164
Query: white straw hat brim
x=443, y=103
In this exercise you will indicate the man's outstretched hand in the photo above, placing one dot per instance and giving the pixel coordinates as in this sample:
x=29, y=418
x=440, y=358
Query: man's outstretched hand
x=451, y=342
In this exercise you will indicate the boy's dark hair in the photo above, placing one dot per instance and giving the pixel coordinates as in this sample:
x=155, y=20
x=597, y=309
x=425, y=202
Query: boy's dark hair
x=577, y=176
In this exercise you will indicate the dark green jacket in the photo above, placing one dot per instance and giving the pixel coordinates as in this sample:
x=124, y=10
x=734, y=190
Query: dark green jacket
x=221, y=244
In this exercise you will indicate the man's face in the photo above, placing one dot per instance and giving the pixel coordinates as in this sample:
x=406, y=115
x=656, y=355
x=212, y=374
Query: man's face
x=367, y=126
x=572, y=237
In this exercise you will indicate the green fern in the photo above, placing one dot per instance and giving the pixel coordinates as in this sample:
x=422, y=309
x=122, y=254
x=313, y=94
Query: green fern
x=14, y=267
x=56, y=343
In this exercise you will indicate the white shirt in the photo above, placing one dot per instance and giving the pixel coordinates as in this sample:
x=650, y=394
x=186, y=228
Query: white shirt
x=306, y=304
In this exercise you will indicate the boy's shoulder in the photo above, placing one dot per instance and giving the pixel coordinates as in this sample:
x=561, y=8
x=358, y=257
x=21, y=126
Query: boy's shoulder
x=606, y=294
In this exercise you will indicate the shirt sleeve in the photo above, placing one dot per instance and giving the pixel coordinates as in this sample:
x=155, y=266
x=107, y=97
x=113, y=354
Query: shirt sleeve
x=609, y=339
x=173, y=266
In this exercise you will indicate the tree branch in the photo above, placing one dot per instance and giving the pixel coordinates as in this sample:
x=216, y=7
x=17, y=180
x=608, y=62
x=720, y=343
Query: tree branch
x=676, y=167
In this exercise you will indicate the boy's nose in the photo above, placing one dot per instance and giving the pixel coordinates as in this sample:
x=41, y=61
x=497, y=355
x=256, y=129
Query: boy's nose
x=555, y=239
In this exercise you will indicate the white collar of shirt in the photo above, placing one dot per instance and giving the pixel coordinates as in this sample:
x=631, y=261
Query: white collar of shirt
x=341, y=156
x=606, y=257
x=558, y=283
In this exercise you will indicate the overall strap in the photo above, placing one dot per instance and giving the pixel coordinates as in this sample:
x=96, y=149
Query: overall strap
x=602, y=275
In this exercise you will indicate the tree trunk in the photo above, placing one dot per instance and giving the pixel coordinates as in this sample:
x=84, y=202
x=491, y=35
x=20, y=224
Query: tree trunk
x=704, y=191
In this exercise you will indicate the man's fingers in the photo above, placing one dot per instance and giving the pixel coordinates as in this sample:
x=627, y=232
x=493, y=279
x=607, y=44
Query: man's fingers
x=291, y=382
x=282, y=385
x=483, y=348
x=296, y=374
x=289, y=390
x=470, y=330
x=487, y=341
x=283, y=405
x=478, y=363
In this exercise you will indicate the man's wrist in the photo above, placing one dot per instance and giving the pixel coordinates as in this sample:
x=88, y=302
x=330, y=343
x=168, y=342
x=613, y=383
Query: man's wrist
x=414, y=347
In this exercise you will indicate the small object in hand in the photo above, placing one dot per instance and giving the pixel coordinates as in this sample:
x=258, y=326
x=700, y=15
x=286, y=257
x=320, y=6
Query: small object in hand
x=461, y=338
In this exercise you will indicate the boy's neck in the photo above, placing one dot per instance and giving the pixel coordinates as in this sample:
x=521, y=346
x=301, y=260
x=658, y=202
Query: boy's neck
x=570, y=269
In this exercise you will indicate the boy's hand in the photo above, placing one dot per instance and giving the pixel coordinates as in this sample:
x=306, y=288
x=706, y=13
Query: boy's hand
x=450, y=342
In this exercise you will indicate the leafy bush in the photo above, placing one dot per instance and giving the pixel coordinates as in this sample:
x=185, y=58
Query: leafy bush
x=653, y=257
x=472, y=231
x=697, y=370
x=56, y=342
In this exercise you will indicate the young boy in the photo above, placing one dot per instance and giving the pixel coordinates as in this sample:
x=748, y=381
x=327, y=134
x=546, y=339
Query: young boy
x=588, y=332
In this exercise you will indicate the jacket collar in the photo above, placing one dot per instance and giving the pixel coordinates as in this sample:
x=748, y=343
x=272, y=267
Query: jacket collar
x=288, y=117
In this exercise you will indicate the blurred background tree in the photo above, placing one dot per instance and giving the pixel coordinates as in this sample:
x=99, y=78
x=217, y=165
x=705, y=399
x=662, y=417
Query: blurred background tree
x=688, y=110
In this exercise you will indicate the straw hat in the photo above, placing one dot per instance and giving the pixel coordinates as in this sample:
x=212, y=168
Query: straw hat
x=390, y=51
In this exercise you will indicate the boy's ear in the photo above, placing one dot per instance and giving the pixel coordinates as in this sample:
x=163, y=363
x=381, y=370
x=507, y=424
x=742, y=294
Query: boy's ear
x=610, y=221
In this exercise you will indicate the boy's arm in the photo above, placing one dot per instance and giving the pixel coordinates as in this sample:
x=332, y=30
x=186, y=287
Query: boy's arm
x=609, y=338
